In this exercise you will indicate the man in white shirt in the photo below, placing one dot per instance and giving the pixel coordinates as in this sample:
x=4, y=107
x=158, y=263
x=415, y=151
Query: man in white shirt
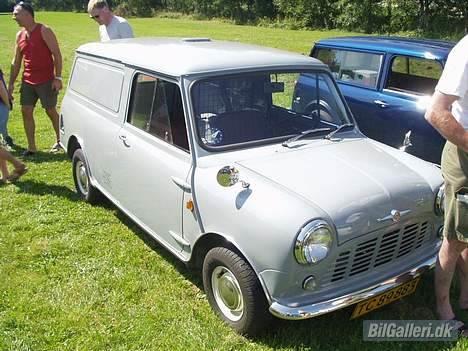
x=111, y=26
x=448, y=113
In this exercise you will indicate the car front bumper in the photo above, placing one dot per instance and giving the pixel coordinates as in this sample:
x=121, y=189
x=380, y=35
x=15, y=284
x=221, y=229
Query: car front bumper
x=316, y=309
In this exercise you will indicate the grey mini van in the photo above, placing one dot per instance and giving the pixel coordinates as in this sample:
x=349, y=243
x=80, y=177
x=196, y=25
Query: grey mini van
x=285, y=214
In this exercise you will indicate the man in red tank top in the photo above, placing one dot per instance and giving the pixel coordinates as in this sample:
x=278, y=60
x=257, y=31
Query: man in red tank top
x=37, y=47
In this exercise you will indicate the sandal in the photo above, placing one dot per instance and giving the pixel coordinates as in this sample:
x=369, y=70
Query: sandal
x=460, y=327
x=17, y=173
x=28, y=153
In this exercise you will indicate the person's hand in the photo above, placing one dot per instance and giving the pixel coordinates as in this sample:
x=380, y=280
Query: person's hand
x=56, y=84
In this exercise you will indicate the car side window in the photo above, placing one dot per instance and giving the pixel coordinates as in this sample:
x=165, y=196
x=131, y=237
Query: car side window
x=414, y=75
x=156, y=107
x=360, y=68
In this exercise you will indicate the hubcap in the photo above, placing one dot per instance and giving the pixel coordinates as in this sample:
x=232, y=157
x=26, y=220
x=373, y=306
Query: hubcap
x=82, y=177
x=227, y=293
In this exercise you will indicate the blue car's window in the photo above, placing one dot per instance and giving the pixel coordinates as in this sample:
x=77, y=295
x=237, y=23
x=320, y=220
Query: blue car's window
x=414, y=75
x=250, y=108
x=360, y=68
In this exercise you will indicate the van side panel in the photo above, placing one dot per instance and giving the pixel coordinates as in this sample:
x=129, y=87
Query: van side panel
x=98, y=82
x=91, y=111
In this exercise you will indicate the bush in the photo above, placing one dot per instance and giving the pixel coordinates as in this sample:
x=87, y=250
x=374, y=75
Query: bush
x=123, y=10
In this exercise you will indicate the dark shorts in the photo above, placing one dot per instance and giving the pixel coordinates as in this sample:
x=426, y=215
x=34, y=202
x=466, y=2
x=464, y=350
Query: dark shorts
x=455, y=172
x=29, y=94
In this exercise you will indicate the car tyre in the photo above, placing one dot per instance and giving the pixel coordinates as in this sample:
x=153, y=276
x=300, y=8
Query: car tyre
x=83, y=185
x=326, y=112
x=234, y=292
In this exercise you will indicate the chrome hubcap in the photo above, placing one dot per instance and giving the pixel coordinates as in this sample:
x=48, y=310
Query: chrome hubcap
x=82, y=177
x=227, y=293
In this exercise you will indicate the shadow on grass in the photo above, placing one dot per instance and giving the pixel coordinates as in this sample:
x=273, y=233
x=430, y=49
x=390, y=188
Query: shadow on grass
x=157, y=247
x=39, y=156
x=45, y=189
x=333, y=331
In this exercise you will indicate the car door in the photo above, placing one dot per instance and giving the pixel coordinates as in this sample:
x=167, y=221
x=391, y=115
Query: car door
x=154, y=158
x=407, y=86
x=357, y=74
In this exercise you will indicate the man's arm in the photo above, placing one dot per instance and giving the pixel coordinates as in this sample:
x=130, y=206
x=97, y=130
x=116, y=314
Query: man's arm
x=15, y=67
x=440, y=116
x=4, y=95
x=52, y=43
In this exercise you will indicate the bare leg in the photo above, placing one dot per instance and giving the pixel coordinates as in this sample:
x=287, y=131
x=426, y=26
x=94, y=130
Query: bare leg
x=29, y=126
x=6, y=156
x=54, y=118
x=448, y=257
x=462, y=266
x=4, y=169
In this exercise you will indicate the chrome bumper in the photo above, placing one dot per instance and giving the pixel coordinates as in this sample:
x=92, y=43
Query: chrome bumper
x=309, y=311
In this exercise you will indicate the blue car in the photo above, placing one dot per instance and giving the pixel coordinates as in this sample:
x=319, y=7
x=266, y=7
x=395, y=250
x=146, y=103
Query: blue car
x=387, y=82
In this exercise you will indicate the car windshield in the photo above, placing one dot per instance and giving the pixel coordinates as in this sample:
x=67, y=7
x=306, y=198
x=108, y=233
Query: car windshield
x=247, y=108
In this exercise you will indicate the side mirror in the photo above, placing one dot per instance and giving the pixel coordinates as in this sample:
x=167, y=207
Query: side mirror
x=229, y=176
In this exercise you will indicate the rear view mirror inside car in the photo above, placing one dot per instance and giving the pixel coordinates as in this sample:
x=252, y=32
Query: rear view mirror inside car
x=274, y=87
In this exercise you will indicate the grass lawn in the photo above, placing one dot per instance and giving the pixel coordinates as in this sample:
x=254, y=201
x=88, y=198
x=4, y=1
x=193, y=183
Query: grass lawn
x=77, y=277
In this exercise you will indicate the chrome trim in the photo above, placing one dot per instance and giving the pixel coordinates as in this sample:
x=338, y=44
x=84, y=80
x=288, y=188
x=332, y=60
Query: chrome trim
x=304, y=234
x=381, y=103
x=439, y=204
x=316, y=309
x=406, y=141
x=394, y=216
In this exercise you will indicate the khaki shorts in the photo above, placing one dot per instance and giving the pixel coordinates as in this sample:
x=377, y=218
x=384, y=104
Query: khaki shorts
x=455, y=172
x=29, y=94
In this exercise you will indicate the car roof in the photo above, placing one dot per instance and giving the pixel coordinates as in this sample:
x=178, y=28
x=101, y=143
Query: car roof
x=185, y=56
x=409, y=46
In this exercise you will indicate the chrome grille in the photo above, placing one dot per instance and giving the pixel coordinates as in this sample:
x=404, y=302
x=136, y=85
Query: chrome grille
x=375, y=252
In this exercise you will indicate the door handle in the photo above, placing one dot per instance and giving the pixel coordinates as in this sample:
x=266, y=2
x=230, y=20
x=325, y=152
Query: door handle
x=380, y=103
x=124, y=140
x=181, y=184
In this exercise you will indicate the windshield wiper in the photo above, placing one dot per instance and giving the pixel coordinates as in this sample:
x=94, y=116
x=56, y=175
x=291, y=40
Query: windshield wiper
x=303, y=134
x=343, y=126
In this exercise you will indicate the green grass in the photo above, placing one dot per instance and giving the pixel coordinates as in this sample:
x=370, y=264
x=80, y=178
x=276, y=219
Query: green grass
x=77, y=277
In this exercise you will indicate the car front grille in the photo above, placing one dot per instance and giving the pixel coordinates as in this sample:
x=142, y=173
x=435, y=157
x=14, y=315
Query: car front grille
x=381, y=249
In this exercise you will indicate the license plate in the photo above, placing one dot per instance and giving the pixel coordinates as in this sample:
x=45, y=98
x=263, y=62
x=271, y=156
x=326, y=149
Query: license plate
x=385, y=298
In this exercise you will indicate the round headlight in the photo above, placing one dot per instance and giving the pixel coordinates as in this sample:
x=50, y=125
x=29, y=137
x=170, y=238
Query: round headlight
x=313, y=242
x=439, y=205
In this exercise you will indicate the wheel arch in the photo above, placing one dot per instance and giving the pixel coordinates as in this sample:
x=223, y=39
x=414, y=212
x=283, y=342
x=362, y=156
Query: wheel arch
x=73, y=144
x=211, y=240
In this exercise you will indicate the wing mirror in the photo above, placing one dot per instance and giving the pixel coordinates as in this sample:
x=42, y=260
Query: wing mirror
x=229, y=176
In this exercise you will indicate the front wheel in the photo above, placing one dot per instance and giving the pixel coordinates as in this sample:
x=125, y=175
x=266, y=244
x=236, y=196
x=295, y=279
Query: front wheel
x=83, y=185
x=234, y=292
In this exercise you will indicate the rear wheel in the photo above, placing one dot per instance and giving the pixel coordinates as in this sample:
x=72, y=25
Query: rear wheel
x=83, y=184
x=234, y=292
